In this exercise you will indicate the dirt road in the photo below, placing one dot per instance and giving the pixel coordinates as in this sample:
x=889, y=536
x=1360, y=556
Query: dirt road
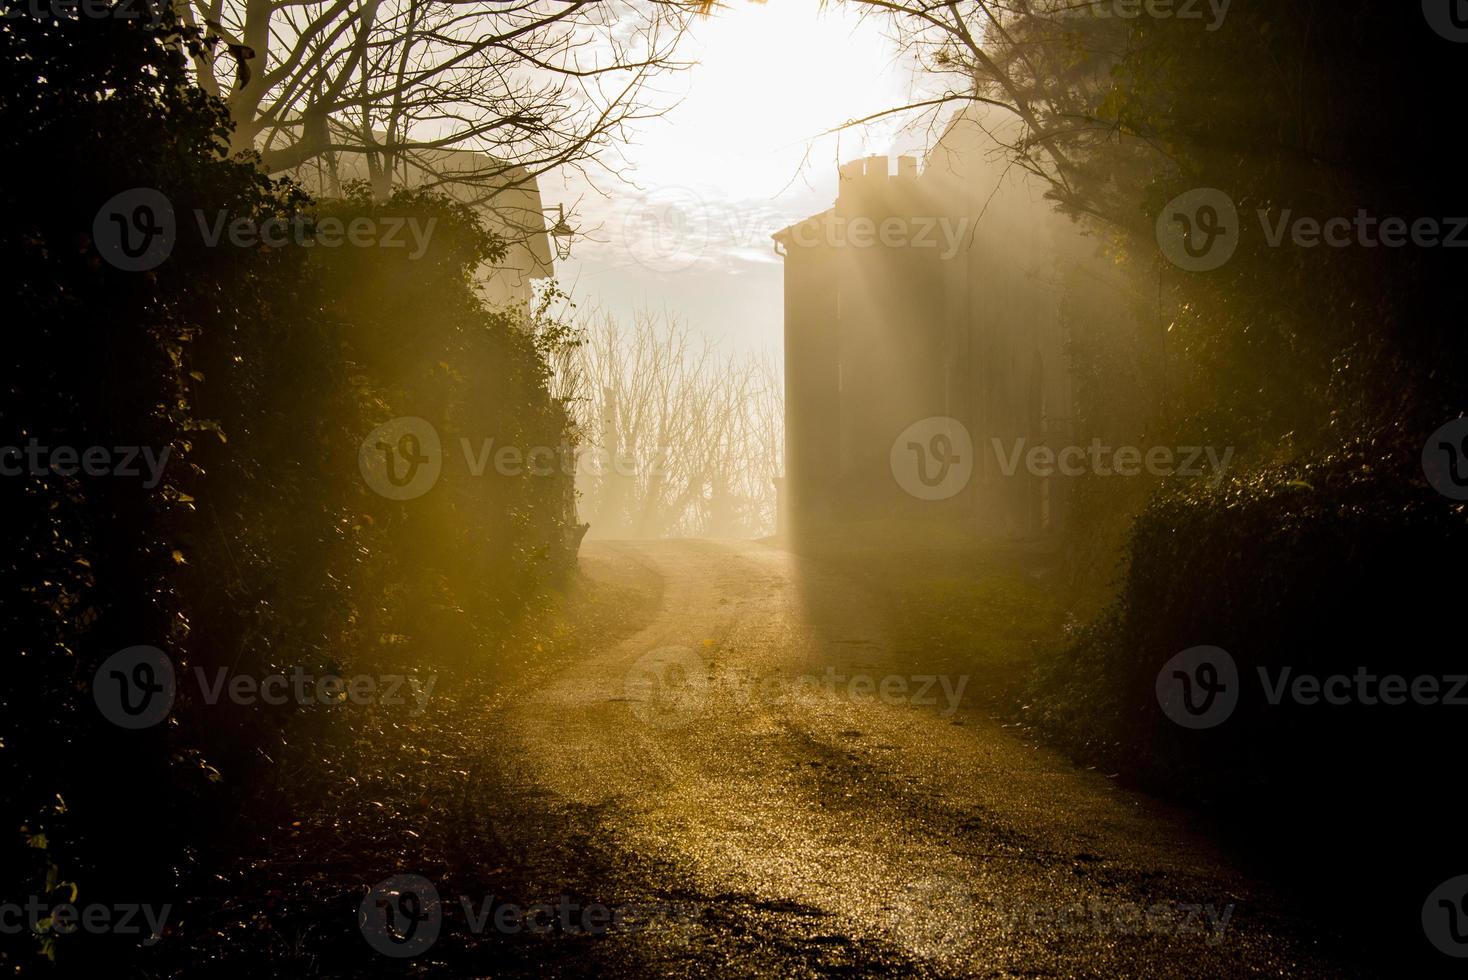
x=754, y=786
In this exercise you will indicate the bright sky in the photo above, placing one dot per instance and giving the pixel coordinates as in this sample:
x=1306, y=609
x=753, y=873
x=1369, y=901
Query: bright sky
x=735, y=160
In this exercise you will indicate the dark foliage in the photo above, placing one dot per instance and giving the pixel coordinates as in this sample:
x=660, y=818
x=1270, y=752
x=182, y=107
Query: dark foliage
x=1326, y=369
x=261, y=549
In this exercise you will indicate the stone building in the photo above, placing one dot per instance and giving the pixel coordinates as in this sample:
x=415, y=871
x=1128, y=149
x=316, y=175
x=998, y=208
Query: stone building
x=925, y=344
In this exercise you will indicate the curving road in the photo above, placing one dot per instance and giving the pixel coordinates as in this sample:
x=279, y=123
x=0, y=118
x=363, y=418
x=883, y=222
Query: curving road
x=761, y=789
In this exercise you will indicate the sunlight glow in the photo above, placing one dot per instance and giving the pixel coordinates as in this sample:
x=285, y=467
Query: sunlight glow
x=769, y=77
x=737, y=156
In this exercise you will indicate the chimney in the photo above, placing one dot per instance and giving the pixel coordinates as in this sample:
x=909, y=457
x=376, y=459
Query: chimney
x=907, y=167
x=876, y=167
x=850, y=178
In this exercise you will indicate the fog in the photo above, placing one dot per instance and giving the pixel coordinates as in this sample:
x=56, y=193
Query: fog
x=641, y=489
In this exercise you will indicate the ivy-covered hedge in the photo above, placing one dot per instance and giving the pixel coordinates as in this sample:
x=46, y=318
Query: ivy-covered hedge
x=260, y=548
x=1323, y=369
x=1323, y=569
x=1318, y=567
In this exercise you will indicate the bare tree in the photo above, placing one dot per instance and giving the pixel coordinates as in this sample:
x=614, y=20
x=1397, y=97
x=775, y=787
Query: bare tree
x=1034, y=74
x=677, y=438
x=469, y=93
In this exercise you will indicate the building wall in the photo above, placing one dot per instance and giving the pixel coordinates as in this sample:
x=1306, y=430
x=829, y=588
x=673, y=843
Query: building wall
x=1005, y=301
x=891, y=346
x=812, y=386
x=902, y=333
x=511, y=208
